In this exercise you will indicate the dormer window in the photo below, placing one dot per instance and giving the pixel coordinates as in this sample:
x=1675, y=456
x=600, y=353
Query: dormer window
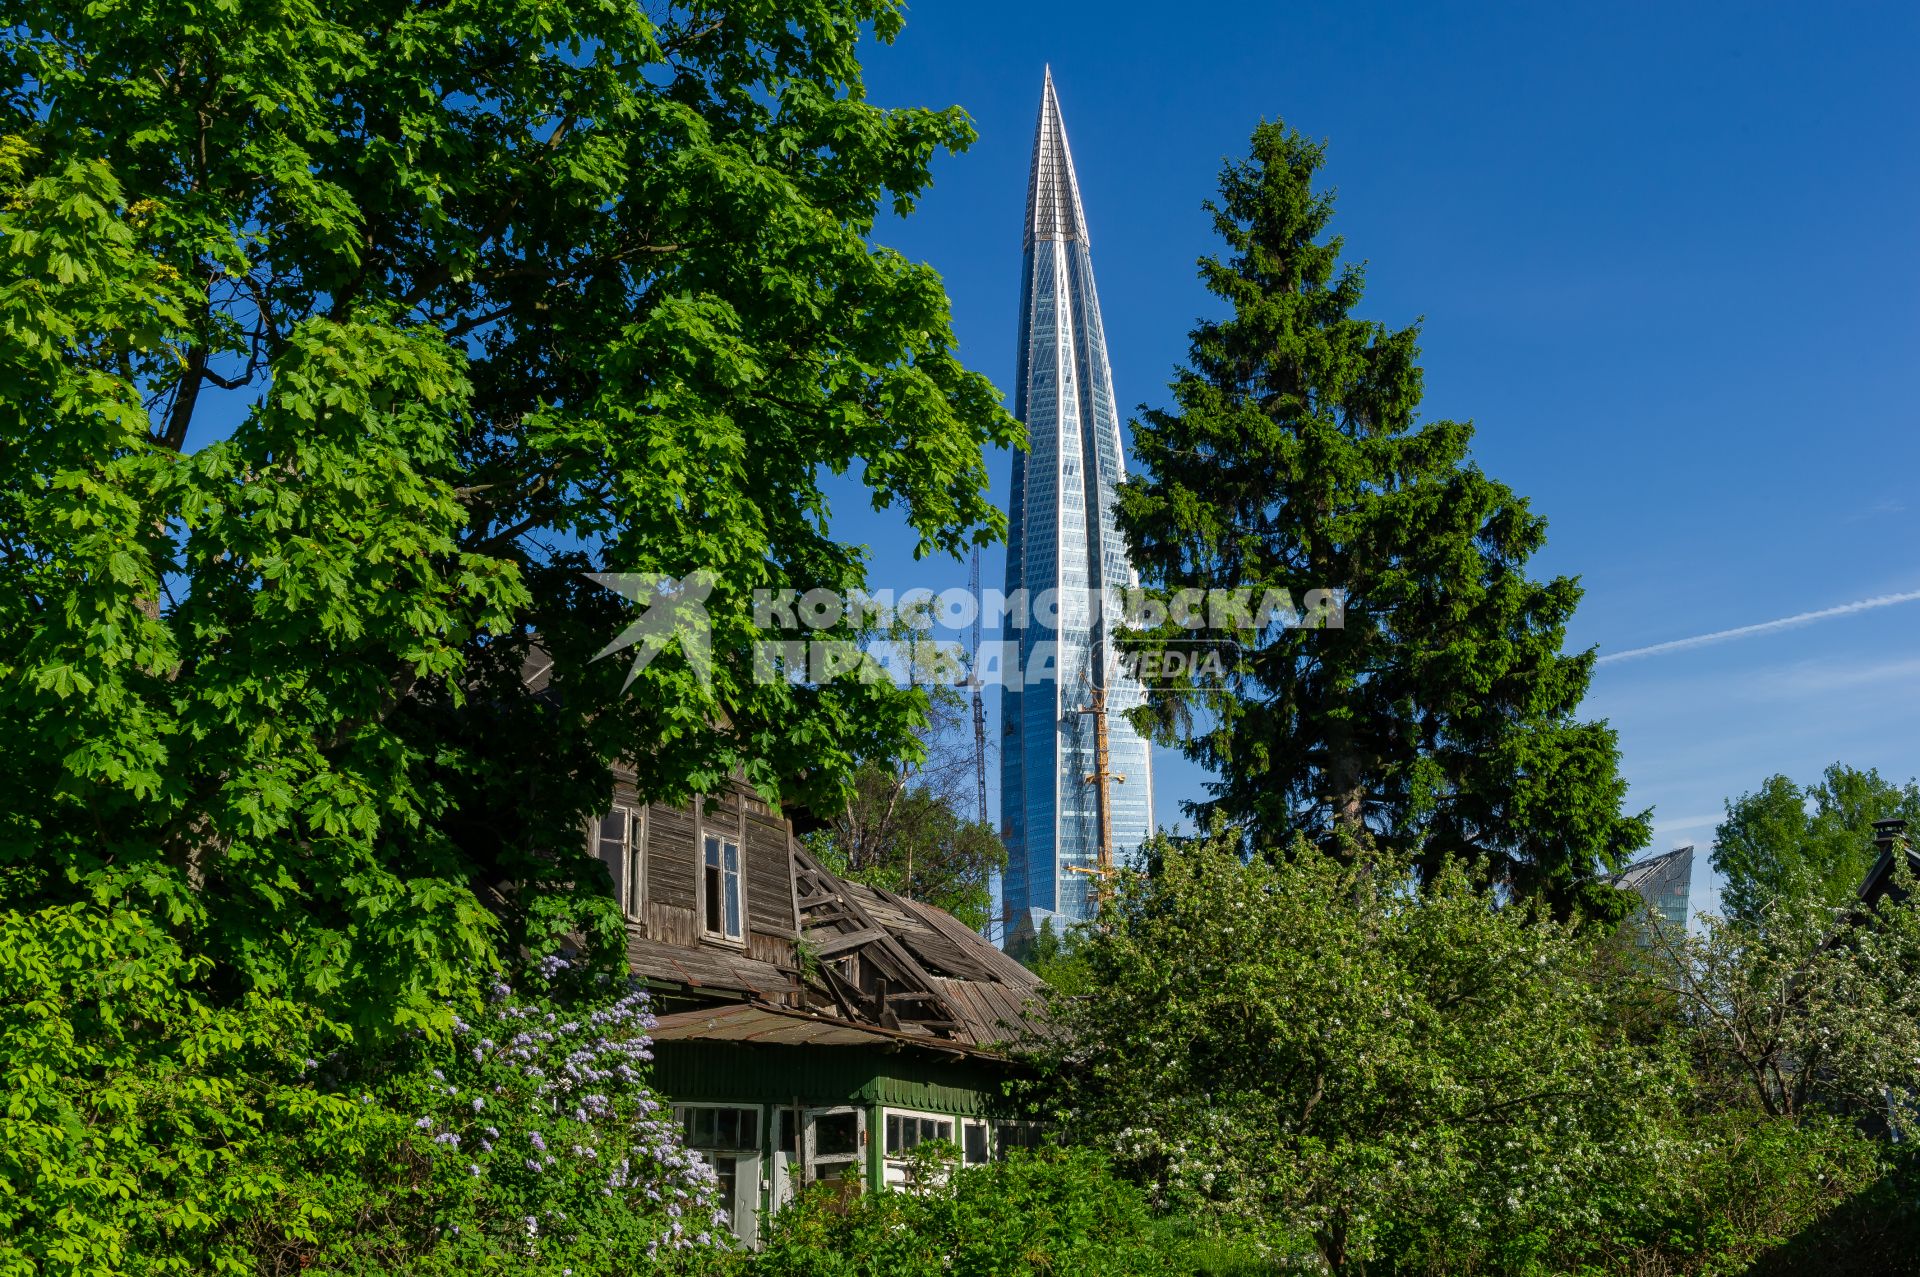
x=722, y=887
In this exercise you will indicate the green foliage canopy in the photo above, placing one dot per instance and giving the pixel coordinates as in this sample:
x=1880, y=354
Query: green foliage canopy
x=1354, y=1052
x=1785, y=842
x=338, y=341
x=145, y=1129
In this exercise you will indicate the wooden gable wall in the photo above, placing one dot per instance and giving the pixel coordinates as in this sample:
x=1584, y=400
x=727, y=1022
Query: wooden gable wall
x=668, y=908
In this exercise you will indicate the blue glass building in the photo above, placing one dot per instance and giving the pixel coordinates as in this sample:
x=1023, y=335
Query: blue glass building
x=1067, y=556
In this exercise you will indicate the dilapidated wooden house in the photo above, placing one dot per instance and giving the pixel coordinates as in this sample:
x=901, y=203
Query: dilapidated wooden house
x=808, y=1027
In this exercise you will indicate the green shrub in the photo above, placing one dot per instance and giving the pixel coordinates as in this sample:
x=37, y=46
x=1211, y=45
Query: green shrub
x=1053, y=1211
x=1746, y=1191
x=1729, y=1193
x=149, y=1128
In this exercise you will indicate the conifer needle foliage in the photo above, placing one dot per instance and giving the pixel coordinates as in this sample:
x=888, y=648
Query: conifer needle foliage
x=1441, y=720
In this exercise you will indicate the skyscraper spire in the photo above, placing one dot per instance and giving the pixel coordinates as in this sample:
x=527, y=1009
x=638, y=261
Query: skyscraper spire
x=1053, y=193
x=1061, y=801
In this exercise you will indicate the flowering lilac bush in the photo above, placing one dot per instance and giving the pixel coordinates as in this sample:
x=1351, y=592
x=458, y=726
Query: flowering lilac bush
x=146, y=1128
x=538, y=1139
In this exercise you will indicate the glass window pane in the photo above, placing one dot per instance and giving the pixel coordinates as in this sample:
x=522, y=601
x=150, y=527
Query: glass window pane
x=976, y=1136
x=840, y=1171
x=893, y=1132
x=613, y=830
x=731, y=852
x=726, y=1169
x=733, y=904
x=713, y=852
x=836, y=1134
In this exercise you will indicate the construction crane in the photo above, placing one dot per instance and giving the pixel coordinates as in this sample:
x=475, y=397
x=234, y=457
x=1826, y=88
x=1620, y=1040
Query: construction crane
x=1100, y=778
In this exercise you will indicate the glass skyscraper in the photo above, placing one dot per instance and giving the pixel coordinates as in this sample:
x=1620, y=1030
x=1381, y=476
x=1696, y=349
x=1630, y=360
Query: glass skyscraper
x=1066, y=554
x=1665, y=883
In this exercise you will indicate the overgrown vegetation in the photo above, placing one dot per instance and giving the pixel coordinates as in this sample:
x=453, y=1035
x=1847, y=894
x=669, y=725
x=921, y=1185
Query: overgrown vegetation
x=1057, y=1211
x=147, y=1129
x=1426, y=1078
x=1347, y=1049
x=336, y=343
x=340, y=340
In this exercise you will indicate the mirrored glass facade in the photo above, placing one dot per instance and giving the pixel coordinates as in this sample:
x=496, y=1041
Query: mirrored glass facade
x=1066, y=554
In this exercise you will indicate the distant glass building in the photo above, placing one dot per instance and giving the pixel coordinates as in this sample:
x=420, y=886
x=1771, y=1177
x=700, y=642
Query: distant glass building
x=1063, y=547
x=1665, y=883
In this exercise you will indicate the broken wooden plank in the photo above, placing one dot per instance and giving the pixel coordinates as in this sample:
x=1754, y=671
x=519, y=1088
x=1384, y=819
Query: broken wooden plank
x=844, y=941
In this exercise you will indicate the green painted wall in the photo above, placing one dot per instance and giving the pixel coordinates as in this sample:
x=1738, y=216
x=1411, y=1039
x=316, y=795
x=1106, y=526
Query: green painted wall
x=746, y=1073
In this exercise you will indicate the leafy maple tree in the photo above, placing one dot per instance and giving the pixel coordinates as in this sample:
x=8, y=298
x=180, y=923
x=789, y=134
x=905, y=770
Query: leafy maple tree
x=1784, y=841
x=338, y=342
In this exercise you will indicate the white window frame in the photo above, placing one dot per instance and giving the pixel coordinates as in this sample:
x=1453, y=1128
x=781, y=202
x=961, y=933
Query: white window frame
x=680, y=1112
x=630, y=891
x=743, y=1212
x=810, y=1152
x=725, y=839
x=894, y=1166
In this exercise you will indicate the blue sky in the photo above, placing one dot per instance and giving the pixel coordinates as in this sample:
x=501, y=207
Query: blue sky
x=1669, y=264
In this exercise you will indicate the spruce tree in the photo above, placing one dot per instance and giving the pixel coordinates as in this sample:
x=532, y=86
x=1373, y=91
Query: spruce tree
x=1441, y=719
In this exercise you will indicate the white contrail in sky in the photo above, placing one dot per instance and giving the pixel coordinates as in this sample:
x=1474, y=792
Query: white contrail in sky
x=1764, y=627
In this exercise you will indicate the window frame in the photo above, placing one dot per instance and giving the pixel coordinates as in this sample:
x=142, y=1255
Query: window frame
x=896, y=1120
x=753, y=1148
x=896, y=1166
x=836, y=1163
x=747, y=1170
x=725, y=837
x=630, y=895
x=967, y=1127
x=1008, y=1134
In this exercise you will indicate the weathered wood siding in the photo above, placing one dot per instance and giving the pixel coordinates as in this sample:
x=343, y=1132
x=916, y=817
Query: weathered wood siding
x=671, y=924
x=671, y=911
x=671, y=857
x=769, y=877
